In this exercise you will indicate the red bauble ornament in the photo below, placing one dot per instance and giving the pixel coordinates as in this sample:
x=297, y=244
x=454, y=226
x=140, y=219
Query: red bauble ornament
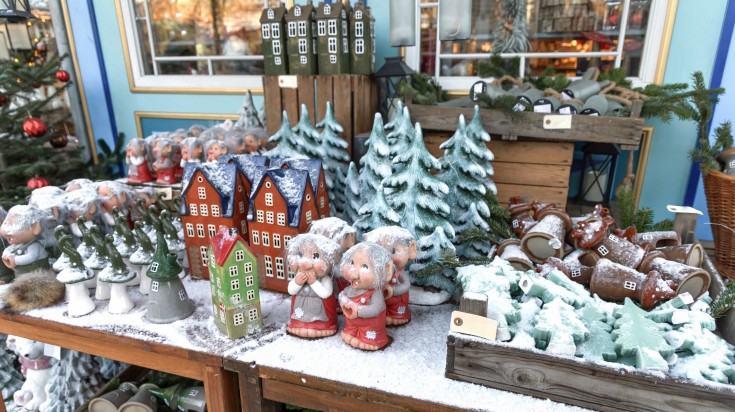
x=38, y=182
x=35, y=127
x=3, y=99
x=62, y=76
x=59, y=141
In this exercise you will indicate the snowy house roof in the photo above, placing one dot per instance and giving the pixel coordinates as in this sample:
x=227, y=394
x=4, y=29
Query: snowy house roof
x=252, y=167
x=223, y=243
x=313, y=166
x=291, y=184
x=221, y=176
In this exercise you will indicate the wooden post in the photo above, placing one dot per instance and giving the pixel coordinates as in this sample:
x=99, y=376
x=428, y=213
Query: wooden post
x=685, y=222
x=474, y=303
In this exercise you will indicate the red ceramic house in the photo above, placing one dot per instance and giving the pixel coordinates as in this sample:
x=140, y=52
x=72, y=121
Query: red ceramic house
x=282, y=206
x=316, y=175
x=211, y=195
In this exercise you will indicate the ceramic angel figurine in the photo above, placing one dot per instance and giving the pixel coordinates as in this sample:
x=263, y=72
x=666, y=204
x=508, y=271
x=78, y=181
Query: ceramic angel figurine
x=401, y=246
x=367, y=266
x=135, y=158
x=313, y=305
x=22, y=230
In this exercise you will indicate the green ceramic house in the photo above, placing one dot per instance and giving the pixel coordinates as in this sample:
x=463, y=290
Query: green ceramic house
x=362, y=40
x=301, y=35
x=233, y=276
x=332, y=44
x=274, y=40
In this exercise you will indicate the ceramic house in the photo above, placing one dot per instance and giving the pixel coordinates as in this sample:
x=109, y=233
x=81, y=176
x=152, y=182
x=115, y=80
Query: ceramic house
x=273, y=34
x=211, y=196
x=233, y=275
x=282, y=206
x=332, y=44
x=301, y=40
x=362, y=40
x=167, y=297
x=316, y=175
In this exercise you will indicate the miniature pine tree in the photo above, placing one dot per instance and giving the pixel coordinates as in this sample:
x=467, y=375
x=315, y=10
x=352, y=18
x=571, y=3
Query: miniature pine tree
x=287, y=142
x=352, y=195
x=637, y=335
x=600, y=344
x=335, y=157
x=534, y=285
x=376, y=213
x=377, y=162
x=10, y=378
x=248, y=114
x=558, y=329
x=724, y=301
x=396, y=115
x=479, y=151
x=417, y=194
x=74, y=379
x=430, y=251
x=401, y=135
x=706, y=155
x=308, y=137
x=476, y=248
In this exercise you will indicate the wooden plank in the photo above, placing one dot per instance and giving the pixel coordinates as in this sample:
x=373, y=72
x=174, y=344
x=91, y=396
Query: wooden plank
x=307, y=97
x=324, y=92
x=221, y=389
x=362, y=112
x=521, y=151
x=290, y=103
x=2, y=406
x=474, y=306
x=273, y=104
x=605, y=129
x=536, y=174
x=251, y=389
x=542, y=194
x=579, y=383
x=342, y=105
x=320, y=400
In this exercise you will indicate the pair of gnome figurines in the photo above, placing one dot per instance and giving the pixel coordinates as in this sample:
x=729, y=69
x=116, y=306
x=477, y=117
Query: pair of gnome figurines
x=369, y=283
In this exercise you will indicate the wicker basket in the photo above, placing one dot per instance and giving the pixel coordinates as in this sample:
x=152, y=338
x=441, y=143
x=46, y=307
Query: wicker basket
x=719, y=189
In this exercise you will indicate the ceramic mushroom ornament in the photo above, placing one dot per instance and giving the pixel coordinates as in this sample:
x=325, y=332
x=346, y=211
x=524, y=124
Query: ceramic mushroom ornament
x=313, y=305
x=367, y=266
x=401, y=247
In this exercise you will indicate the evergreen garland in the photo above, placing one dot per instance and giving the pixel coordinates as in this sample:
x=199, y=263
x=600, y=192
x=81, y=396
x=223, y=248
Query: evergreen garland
x=706, y=155
x=499, y=219
x=498, y=67
x=724, y=301
x=550, y=79
x=423, y=89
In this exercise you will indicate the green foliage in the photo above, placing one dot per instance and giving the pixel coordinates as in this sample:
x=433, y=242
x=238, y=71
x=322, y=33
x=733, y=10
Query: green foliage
x=499, y=220
x=506, y=104
x=641, y=219
x=447, y=261
x=423, y=89
x=724, y=301
x=706, y=155
x=110, y=161
x=498, y=67
x=617, y=75
x=549, y=80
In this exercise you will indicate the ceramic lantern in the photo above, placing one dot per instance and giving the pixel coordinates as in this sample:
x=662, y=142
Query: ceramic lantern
x=687, y=278
x=546, y=238
x=593, y=234
x=111, y=401
x=655, y=240
x=142, y=401
x=580, y=264
x=182, y=398
x=167, y=298
x=614, y=282
x=510, y=250
x=691, y=254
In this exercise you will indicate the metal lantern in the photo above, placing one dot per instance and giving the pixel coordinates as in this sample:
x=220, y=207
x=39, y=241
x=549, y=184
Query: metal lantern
x=14, y=11
x=455, y=19
x=388, y=79
x=402, y=23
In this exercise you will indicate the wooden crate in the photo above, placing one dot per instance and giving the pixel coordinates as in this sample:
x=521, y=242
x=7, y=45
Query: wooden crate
x=538, y=170
x=353, y=98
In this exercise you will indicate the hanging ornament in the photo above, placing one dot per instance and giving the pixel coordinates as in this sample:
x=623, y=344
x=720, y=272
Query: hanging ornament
x=34, y=127
x=41, y=46
x=62, y=76
x=37, y=182
x=59, y=141
x=3, y=99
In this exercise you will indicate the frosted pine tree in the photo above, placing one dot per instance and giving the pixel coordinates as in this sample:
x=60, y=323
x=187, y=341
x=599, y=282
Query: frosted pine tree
x=308, y=136
x=352, y=195
x=287, y=143
x=335, y=158
x=482, y=155
x=377, y=162
x=432, y=249
x=248, y=114
x=339, y=195
x=401, y=134
x=376, y=213
x=391, y=117
x=417, y=194
x=74, y=379
x=468, y=221
x=10, y=378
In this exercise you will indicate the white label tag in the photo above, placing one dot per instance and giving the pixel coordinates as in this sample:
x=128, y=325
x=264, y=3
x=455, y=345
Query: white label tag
x=555, y=121
x=474, y=325
x=287, y=82
x=52, y=351
x=565, y=110
x=542, y=108
x=682, y=209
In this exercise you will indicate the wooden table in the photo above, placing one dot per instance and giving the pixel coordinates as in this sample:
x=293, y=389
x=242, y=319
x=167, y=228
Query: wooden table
x=220, y=385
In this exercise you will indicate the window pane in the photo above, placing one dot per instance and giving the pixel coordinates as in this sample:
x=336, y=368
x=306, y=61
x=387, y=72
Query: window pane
x=238, y=67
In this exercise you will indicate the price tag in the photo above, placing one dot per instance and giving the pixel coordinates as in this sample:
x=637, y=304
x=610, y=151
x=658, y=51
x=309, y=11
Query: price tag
x=287, y=82
x=52, y=351
x=682, y=209
x=557, y=121
x=474, y=325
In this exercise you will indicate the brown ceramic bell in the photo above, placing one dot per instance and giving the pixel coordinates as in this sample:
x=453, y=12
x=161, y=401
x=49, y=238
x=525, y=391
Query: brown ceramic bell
x=727, y=158
x=655, y=240
x=614, y=282
x=546, y=238
x=690, y=254
x=687, y=278
x=580, y=264
x=510, y=250
x=610, y=246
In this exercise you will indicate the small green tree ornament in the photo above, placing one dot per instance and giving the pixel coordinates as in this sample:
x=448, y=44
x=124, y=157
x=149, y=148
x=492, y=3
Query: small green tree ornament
x=287, y=142
x=637, y=335
x=558, y=329
x=334, y=147
x=352, y=195
x=376, y=213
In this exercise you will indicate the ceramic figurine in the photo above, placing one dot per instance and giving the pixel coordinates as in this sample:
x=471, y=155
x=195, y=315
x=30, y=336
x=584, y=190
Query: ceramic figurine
x=367, y=266
x=338, y=231
x=74, y=276
x=235, y=141
x=213, y=149
x=50, y=201
x=690, y=254
x=22, y=229
x=195, y=130
x=615, y=282
x=126, y=245
x=82, y=203
x=114, y=195
x=401, y=247
x=114, y=399
x=182, y=398
x=98, y=261
x=164, y=164
x=547, y=237
x=510, y=250
x=142, y=401
x=167, y=298
x=592, y=234
x=191, y=150
x=687, y=278
x=36, y=367
x=118, y=275
x=138, y=171
x=313, y=305
x=6, y=274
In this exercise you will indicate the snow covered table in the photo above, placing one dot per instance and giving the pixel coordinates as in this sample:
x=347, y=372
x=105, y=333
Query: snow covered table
x=327, y=374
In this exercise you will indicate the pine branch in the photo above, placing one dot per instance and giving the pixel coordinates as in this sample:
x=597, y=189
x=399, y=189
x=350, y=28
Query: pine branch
x=663, y=226
x=724, y=301
x=644, y=220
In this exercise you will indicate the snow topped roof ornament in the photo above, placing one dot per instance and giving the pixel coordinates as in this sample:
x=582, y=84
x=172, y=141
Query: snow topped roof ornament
x=222, y=177
x=292, y=185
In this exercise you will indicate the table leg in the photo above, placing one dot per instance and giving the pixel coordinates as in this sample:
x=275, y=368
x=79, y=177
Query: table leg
x=251, y=393
x=220, y=387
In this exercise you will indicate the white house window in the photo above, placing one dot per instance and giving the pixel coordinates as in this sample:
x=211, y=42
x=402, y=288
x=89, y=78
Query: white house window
x=358, y=14
x=322, y=202
x=215, y=211
x=332, y=44
x=233, y=270
x=248, y=268
x=344, y=28
x=200, y=230
x=327, y=9
x=332, y=27
x=345, y=45
x=333, y=58
x=236, y=298
x=169, y=41
x=594, y=37
x=238, y=319
x=279, y=268
x=271, y=14
x=202, y=192
x=154, y=286
x=251, y=294
x=303, y=60
x=260, y=216
x=256, y=237
x=302, y=46
x=219, y=283
x=182, y=294
x=266, y=31
x=203, y=210
x=193, y=210
x=276, y=241
x=276, y=29
x=269, y=199
x=359, y=46
x=286, y=241
x=308, y=217
x=222, y=316
x=249, y=281
x=292, y=29
x=302, y=29
x=239, y=256
x=266, y=239
x=297, y=11
x=321, y=27
x=358, y=29
x=281, y=219
x=253, y=315
x=268, y=266
x=205, y=256
x=235, y=284
x=277, y=61
x=269, y=218
x=189, y=230
x=212, y=231
x=154, y=267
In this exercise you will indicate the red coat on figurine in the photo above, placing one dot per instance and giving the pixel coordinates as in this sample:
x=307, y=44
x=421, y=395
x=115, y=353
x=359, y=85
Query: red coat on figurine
x=135, y=159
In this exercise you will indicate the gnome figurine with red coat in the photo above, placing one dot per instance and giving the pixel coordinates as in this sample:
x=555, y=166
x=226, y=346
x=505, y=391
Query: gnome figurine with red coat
x=135, y=158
